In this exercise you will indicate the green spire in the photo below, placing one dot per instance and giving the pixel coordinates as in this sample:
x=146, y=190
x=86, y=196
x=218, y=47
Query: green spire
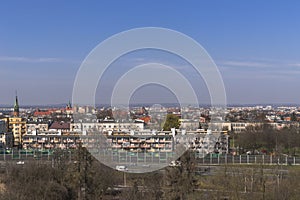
x=69, y=104
x=16, y=106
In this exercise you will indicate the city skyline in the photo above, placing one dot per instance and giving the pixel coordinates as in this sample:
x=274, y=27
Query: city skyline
x=253, y=44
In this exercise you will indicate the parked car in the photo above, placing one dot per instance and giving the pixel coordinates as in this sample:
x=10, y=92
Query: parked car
x=20, y=162
x=175, y=163
x=121, y=168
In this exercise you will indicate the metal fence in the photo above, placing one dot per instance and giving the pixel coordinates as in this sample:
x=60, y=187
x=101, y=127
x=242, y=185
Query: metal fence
x=154, y=157
x=219, y=159
x=26, y=155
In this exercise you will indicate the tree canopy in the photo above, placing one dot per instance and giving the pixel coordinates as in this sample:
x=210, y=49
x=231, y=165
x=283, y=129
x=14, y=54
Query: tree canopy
x=172, y=121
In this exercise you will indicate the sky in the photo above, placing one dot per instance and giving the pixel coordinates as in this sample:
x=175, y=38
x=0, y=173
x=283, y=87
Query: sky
x=255, y=45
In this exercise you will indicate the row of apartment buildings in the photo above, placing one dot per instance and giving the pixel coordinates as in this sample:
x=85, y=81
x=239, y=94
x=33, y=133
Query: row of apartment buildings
x=42, y=134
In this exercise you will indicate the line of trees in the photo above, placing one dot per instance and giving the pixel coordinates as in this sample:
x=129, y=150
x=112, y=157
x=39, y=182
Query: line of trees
x=266, y=139
x=84, y=178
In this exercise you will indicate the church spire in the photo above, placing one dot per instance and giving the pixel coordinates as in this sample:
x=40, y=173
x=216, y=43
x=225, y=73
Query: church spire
x=69, y=105
x=16, y=106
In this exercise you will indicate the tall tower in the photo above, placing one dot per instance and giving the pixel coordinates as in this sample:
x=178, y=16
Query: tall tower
x=69, y=105
x=16, y=107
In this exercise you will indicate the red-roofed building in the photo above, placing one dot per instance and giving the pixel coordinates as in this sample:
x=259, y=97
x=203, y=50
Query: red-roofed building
x=146, y=119
x=44, y=113
x=60, y=126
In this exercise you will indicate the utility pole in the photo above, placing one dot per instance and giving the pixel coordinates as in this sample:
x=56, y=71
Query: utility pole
x=124, y=179
x=245, y=187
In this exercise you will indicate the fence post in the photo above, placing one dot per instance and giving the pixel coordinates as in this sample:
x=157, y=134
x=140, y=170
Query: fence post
x=294, y=160
x=263, y=159
x=152, y=154
x=286, y=160
x=247, y=159
x=232, y=159
x=210, y=158
x=255, y=159
x=271, y=160
x=138, y=157
x=240, y=159
x=70, y=156
x=218, y=158
x=226, y=159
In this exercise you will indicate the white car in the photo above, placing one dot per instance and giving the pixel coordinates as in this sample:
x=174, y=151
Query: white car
x=20, y=162
x=175, y=163
x=121, y=168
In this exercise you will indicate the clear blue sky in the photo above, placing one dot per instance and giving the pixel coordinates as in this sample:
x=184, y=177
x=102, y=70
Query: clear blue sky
x=256, y=44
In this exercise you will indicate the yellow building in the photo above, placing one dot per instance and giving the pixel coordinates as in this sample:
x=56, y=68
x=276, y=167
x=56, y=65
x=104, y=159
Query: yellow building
x=17, y=125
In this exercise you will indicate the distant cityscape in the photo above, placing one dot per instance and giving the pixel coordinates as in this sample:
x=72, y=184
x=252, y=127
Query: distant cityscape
x=48, y=128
